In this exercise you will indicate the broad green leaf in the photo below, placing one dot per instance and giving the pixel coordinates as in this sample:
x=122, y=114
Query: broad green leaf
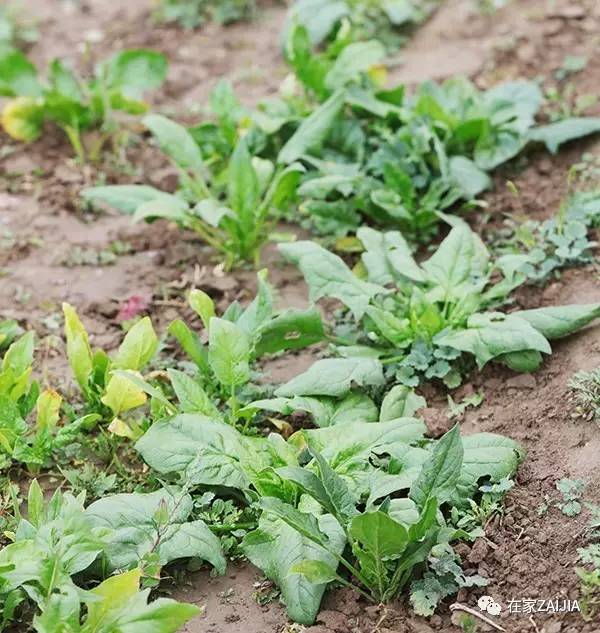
x=133, y=529
x=334, y=377
x=317, y=17
x=202, y=305
x=125, y=198
x=359, y=437
x=167, y=207
x=35, y=504
x=243, y=187
x=404, y=468
x=136, y=615
x=135, y=378
x=293, y=329
x=556, y=321
x=115, y=593
x=440, y=473
x=64, y=81
x=122, y=394
x=388, y=257
x=18, y=76
x=356, y=58
x=555, y=134
x=467, y=176
x=490, y=335
x=285, y=185
x=138, y=346
x=524, y=361
x=312, y=132
x=199, y=449
x=175, y=141
x=276, y=548
x=19, y=356
x=400, y=402
x=133, y=72
x=380, y=536
x=326, y=411
x=304, y=523
x=488, y=455
x=459, y=258
x=192, y=397
x=12, y=425
x=191, y=344
x=79, y=351
x=316, y=572
x=260, y=311
x=228, y=352
x=328, y=276
x=341, y=499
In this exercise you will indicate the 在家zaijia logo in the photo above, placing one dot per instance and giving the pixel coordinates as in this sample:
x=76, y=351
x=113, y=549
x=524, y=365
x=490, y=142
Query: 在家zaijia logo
x=487, y=603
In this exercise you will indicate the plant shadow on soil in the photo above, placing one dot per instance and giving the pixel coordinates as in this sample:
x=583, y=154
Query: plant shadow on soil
x=525, y=554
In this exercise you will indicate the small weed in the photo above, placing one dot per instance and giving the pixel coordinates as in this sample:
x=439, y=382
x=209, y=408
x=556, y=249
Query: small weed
x=571, y=491
x=586, y=393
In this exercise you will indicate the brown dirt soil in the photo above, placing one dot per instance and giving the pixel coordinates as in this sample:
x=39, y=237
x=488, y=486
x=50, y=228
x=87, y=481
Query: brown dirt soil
x=525, y=554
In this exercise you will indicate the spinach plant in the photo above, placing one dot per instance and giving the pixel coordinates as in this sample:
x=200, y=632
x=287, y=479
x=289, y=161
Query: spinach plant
x=329, y=497
x=74, y=103
x=389, y=22
x=401, y=159
x=35, y=445
x=193, y=13
x=58, y=541
x=107, y=393
x=233, y=213
x=419, y=318
x=234, y=341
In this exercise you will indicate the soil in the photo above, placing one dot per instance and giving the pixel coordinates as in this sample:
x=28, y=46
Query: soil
x=527, y=552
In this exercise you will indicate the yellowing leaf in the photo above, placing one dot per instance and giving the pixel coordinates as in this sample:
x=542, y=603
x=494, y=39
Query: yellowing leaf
x=378, y=75
x=115, y=592
x=48, y=409
x=122, y=395
x=121, y=429
x=22, y=118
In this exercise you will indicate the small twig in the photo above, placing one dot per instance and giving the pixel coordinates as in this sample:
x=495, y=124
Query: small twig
x=457, y=606
x=535, y=626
